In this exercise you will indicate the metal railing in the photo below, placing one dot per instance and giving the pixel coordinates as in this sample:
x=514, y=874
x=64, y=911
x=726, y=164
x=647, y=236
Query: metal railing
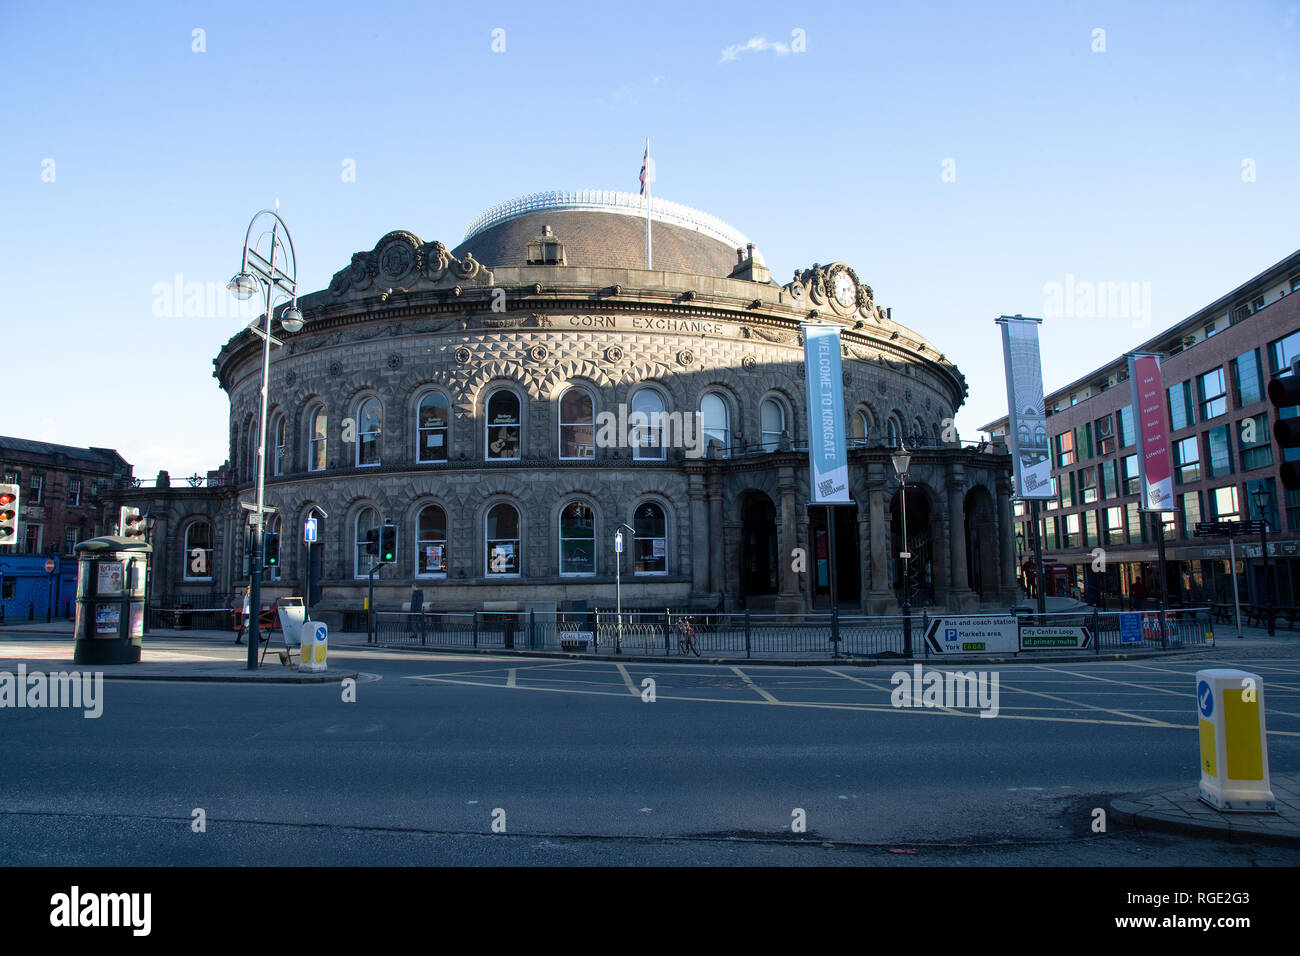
x=748, y=635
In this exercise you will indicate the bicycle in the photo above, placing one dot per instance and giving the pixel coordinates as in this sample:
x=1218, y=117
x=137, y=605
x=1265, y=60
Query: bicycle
x=686, y=639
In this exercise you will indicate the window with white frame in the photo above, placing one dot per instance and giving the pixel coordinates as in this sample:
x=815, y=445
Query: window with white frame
x=370, y=429
x=716, y=421
x=647, y=434
x=861, y=430
x=503, y=426
x=280, y=439
x=198, y=552
x=772, y=414
x=37, y=488
x=651, y=539
x=317, y=423
x=431, y=541
x=432, y=423
x=74, y=492
x=895, y=432
x=577, y=539
x=367, y=520
x=69, y=540
x=502, y=541
x=577, y=424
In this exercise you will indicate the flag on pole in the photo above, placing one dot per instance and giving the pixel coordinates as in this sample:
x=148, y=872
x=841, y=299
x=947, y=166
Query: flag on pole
x=645, y=167
x=647, y=177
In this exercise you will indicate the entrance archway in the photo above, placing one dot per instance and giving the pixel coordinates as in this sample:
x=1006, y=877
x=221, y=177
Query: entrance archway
x=760, y=570
x=981, y=532
x=848, y=565
x=918, y=586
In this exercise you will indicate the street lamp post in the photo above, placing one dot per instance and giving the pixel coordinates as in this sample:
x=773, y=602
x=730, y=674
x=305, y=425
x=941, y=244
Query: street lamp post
x=275, y=281
x=1261, y=499
x=901, y=460
x=618, y=583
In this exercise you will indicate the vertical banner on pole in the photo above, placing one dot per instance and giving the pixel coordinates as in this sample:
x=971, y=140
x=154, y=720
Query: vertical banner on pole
x=1031, y=456
x=827, y=456
x=1155, y=471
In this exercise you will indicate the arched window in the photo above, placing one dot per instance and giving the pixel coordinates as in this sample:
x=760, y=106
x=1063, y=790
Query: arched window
x=370, y=427
x=861, y=429
x=271, y=572
x=280, y=439
x=894, y=433
x=647, y=433
x=773, y=416
x=651, y=539
x=501, y=536
x=198, y=552
x=577, y=424
x=503, y=426
x=367, y=520
x=251, y=449
x=432, y=418
x=716, y=421
x=577, y=539
x=431, y=541
x=316, y=425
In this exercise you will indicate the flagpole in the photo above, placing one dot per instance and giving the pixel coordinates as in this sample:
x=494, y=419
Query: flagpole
x=648, y=247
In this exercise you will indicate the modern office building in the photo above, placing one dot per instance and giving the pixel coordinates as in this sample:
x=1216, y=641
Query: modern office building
x=482, y=399
x=1216, y=364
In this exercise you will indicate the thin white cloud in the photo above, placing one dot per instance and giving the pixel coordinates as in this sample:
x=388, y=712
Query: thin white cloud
x=754, y=45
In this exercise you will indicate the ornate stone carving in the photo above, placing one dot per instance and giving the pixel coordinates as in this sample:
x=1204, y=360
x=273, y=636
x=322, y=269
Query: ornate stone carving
x=614, y=354
x=336, y=369
x=394, y=361
x=685, y=357
x=749, y=363
x=539, y=353
x=462, y=355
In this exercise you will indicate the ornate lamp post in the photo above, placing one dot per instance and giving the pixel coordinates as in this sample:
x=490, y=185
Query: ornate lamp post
x=618, y=582
x=902, y=459
x=277, y=275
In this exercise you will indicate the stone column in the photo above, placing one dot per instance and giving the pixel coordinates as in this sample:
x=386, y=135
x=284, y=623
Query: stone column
x=716, y=575
x=880, y=595
x=959, y=593
x=699, y=535
x=161, y=562
x=730, y=583
x=788, y=601
x=1008, y=588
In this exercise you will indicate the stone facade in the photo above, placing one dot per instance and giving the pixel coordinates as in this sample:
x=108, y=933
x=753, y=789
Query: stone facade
x=409, y=318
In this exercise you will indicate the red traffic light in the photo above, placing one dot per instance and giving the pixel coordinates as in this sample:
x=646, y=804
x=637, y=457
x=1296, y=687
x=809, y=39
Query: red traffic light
x=7, y=499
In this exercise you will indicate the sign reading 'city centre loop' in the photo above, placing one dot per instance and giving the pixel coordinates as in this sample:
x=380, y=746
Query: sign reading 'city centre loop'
x=1001, y=635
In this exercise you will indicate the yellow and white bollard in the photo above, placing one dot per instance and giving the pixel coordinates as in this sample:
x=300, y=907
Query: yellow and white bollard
x=311, y=656
x=1234, y=745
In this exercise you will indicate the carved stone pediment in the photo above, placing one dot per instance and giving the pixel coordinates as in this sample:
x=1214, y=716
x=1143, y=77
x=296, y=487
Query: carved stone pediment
x=402, y=262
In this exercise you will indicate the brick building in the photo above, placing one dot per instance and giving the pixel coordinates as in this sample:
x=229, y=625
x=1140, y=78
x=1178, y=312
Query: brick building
x=1216, y=364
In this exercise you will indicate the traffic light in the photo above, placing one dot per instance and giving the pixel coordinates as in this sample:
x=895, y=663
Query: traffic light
x=9, y=514
x=131, y=523
x=1284, y=393
x=388, y=544
x=372, y=541
x=272, y=546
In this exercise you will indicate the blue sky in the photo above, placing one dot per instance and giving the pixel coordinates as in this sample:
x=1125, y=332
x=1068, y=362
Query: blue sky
x=1117, y=166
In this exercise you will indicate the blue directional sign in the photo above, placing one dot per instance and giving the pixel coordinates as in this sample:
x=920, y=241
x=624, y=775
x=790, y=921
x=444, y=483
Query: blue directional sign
x=309, y=530
x=1130, y=628
x=1205, y=699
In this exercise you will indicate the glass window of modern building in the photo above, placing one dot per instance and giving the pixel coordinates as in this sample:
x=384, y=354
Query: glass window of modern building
x=1127, y=434
x=1182, y=413
x=1187, y=461
x=1218, y=444
x=1189, y=505
x=1104, y=430
x=1212, y=394
x=1223, y=502
x=1255, y=441
x=1246, y=378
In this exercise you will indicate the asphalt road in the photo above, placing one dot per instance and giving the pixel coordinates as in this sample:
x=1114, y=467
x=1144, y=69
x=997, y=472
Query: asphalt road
x=572, y=761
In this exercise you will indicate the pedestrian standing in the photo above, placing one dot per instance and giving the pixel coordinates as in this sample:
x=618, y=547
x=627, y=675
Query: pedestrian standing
x=416, y=619
x=1139, y=594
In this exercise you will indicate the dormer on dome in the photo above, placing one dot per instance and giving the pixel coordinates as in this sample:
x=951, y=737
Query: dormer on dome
x=545, y=250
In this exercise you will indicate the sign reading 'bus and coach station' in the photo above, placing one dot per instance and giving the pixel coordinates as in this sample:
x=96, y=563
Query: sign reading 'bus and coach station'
x=1001, y=635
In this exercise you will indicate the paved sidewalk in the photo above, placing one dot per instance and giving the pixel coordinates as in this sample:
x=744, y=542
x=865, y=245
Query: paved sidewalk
x=1181, y=811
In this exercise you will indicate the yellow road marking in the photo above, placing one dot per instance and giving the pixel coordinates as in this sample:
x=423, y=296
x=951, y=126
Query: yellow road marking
x=762, y=693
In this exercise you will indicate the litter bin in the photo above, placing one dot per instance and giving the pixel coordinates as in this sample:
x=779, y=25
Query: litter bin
x=111, y=577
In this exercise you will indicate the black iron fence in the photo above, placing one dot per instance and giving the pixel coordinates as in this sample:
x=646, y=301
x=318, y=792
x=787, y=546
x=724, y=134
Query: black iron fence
x=746, y=635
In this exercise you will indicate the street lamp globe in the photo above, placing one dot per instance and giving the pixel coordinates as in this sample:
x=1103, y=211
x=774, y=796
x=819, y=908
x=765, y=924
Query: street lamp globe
x=242, y=286
x=291, y=319
x=901, y=459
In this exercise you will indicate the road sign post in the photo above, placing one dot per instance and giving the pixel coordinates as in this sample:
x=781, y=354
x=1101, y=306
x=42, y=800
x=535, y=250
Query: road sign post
x=308, y=537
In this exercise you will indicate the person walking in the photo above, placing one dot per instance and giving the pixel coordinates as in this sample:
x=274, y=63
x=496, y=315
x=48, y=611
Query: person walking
x=242, y=620
x=1139, y=594
x=416, y=618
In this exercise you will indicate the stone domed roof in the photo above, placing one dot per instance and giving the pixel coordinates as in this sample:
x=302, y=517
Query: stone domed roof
x=604, y=230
